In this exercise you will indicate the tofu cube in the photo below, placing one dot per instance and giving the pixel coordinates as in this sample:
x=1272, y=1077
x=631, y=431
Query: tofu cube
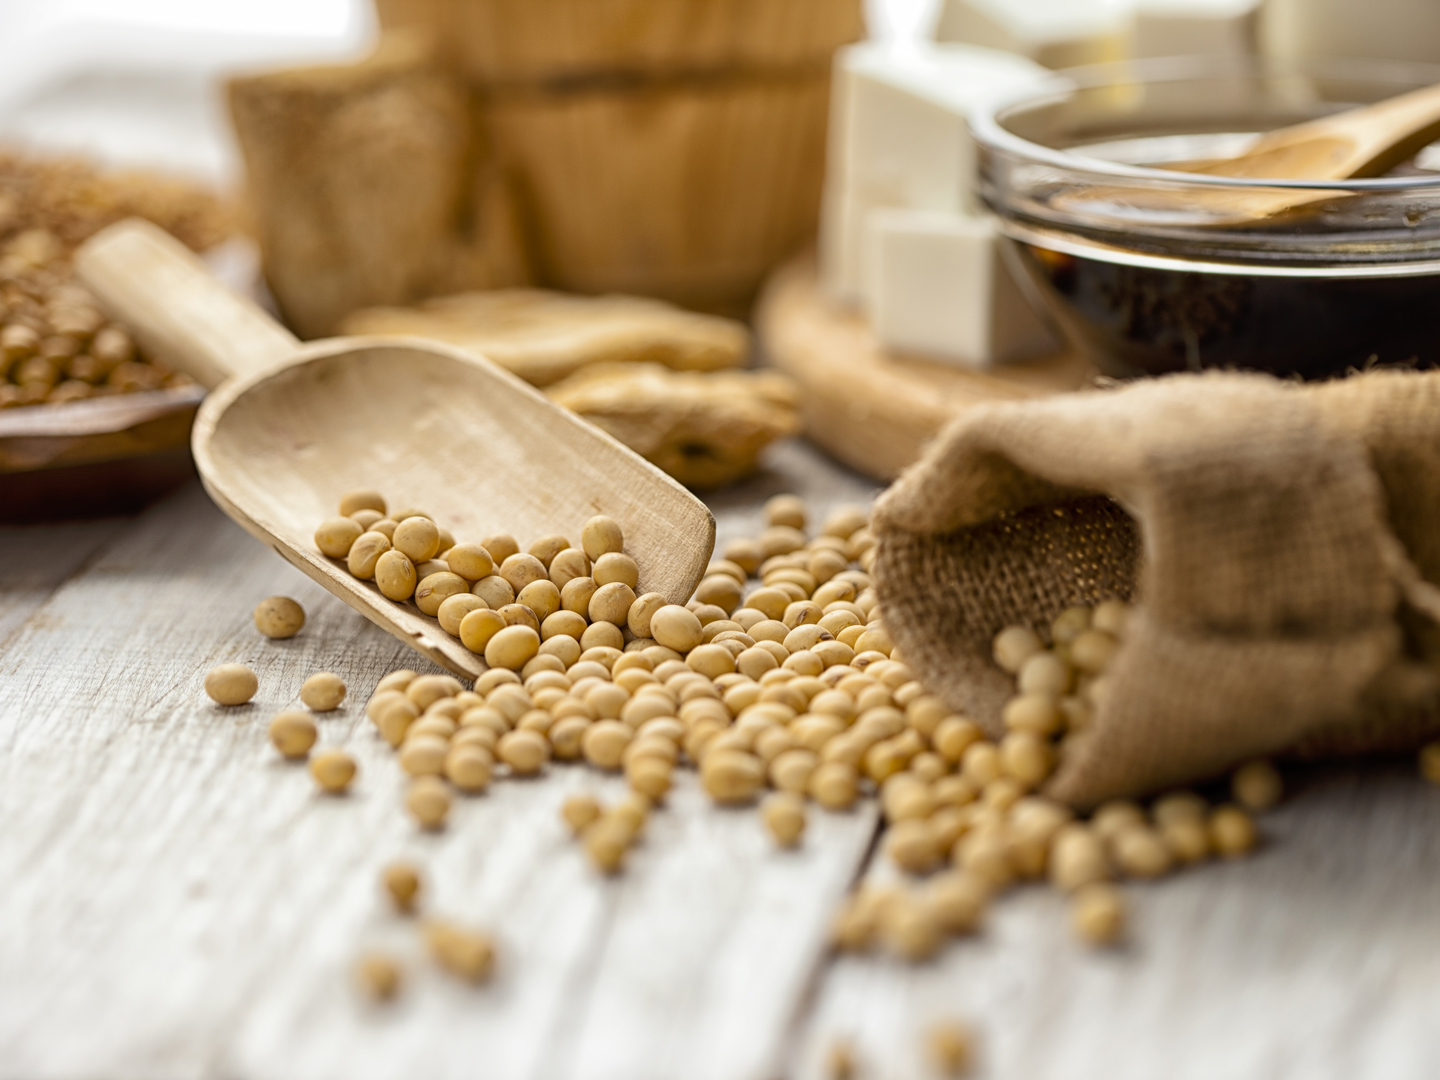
x=941, y=287
x=898, y=138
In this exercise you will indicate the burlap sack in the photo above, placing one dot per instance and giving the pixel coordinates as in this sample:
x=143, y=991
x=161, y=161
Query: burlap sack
x=1262, y=527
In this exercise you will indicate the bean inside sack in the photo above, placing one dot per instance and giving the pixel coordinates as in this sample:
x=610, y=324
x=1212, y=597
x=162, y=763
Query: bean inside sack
x=1255, y=523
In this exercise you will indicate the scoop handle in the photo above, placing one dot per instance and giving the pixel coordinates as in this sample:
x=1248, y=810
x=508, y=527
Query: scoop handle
x=176, y=309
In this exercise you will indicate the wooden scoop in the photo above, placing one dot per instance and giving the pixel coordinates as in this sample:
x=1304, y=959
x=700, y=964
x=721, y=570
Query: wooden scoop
x=288, y=428
x=1358, y=143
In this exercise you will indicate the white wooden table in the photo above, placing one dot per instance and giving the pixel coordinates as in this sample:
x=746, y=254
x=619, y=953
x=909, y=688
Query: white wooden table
x=177, y=902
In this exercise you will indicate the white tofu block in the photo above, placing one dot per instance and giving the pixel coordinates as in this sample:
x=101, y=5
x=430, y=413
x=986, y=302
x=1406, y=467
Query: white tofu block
x=898, y=138
x=842, y=242
x=942, y=288
x=898, y=135
x=1055, y=33
x=1195, y=27
x=1379, y=29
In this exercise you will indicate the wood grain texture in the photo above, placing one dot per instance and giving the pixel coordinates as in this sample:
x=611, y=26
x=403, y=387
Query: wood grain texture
x=494, y=41
x=875, y=410
x=37, y=560
x=370, y=187
x=1313, y=959
x=437, y=427
x=180, y=903
x=686, y=191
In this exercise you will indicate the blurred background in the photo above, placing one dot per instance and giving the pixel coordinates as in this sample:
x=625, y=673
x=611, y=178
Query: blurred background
x=140, y=81
x=485, y=171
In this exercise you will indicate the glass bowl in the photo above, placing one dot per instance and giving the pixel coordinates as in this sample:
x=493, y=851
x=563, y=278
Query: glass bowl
x=1151, y=269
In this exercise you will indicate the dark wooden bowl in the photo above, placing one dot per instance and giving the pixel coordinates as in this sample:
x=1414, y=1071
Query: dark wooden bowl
x=84, y=459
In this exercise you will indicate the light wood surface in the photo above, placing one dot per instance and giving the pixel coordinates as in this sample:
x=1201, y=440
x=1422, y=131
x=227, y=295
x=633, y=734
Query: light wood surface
x=177, y=902
x=1314, y=959
x=872, y=409
x=431, y=425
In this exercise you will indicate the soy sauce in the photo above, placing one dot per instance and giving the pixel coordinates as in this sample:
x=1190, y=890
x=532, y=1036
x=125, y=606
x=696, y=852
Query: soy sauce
x=1136, y=320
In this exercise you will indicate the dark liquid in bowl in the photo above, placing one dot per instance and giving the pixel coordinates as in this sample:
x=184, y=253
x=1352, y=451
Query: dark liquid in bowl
x=1142, y=320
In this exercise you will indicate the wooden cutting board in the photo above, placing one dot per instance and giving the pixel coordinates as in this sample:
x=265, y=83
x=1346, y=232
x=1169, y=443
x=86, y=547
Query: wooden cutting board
x=873, y=409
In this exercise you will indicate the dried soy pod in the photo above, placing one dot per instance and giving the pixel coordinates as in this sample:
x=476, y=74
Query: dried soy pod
x=293, y=733
x=279, y=617
x=231, y=684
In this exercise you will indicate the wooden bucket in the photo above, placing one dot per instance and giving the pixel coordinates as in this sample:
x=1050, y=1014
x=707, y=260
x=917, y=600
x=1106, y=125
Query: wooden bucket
x=673, y=148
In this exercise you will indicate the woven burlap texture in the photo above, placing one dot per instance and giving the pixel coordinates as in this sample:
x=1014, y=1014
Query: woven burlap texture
x=1250, y=520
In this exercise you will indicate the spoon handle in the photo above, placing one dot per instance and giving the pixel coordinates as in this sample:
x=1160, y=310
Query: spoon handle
x=179, y=313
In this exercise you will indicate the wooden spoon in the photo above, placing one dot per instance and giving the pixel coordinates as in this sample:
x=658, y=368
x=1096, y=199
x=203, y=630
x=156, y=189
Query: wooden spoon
x=1357, y=143
x=288, y=428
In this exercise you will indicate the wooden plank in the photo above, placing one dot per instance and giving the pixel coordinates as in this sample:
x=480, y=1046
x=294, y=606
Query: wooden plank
x=1313, y=959
x=873, y=409
x=36, y=559
x=181, y=903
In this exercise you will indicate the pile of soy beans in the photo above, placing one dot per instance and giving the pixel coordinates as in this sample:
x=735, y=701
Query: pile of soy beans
x=966, y=820
x=785, y=691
